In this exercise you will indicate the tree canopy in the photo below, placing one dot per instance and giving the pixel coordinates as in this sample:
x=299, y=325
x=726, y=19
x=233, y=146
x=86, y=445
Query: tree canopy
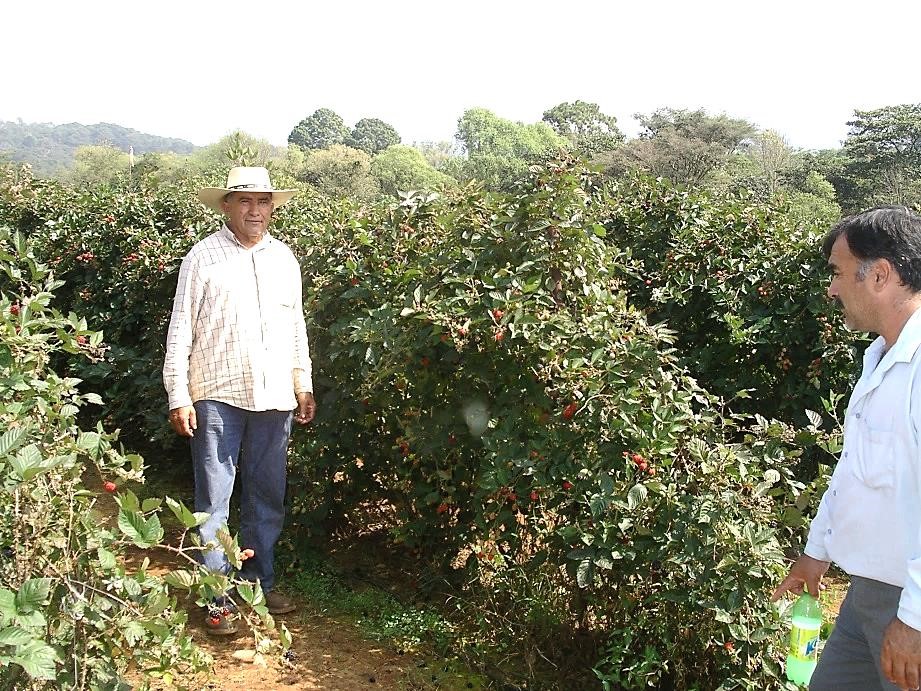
x=320, y=130
x=403, y=168
x=499, y=150
x=372, y=135
x=883, y=152
x=685, y=145
x=341, y=171
x=583, y=124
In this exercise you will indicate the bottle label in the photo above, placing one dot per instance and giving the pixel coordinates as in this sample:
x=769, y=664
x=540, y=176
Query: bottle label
x=804, y=643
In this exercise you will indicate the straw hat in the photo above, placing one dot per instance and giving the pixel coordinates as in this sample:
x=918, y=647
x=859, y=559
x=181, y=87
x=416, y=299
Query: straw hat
x=244, y=179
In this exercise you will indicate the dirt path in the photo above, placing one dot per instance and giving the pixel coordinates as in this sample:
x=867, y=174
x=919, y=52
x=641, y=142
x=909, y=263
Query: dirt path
x=327, y=653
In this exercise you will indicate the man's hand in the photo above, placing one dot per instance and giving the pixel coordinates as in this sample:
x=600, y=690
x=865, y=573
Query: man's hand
x=306, y=408
x=805, y=571
x=901, y=655
x=183, y=420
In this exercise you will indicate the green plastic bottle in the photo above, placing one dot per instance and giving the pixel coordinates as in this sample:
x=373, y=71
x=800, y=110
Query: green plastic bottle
x=804, y=639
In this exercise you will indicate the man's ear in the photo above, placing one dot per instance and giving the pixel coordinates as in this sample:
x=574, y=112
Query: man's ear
x=883, y=272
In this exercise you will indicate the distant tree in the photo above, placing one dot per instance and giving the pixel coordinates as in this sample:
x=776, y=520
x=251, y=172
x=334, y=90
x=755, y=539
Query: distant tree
x=583, y=124
x=438, y=154
x=499, y=150
x=288, y=170
x=815, y=201
x=403, y=168
x=773, y=157
x=770, y=172
x=212, y=161
x=883, y=155
x=321, y=130
x=156, y=168
x=682, y=145
x=831, y=166
x=372, y=135
x=97, y=165
x=341, y=171
x=236, y=149
x=762, y=166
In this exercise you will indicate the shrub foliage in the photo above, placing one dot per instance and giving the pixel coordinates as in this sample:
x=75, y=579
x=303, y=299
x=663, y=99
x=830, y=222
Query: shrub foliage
x=589, y=389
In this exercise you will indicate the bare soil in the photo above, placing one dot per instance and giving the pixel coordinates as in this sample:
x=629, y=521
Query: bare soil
x=327, y=653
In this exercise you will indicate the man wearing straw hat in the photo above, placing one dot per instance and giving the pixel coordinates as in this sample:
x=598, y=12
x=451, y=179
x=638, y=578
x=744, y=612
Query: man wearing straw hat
x=237, y=365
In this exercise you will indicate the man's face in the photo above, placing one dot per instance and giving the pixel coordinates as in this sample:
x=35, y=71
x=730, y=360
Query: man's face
x=248, y=215
x=851, y=291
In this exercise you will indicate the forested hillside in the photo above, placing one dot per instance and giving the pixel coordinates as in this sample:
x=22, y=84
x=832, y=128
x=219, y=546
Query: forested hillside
x=50, y=148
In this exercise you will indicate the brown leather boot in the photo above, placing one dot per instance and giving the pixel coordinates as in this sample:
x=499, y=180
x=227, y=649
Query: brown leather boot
x=278, y=603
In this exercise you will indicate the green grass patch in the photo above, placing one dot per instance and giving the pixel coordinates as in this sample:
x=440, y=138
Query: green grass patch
x=382, y=617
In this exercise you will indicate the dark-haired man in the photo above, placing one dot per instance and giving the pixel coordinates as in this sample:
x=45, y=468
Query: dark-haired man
x=237, y=365
x=869, y=520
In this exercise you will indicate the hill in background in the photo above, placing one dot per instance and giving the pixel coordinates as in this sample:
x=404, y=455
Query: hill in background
x=50, y=148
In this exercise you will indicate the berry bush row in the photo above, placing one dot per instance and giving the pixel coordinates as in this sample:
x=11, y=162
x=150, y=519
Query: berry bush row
x=585, y=395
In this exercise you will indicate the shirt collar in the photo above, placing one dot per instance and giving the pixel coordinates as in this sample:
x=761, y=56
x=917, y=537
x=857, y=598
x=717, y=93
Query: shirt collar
x=228, y=235
x=903, y=350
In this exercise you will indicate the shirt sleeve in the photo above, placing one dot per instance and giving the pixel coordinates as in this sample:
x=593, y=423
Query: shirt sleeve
x=910, y=602
x=180, y=338
x=815, y=543
x=303, y=367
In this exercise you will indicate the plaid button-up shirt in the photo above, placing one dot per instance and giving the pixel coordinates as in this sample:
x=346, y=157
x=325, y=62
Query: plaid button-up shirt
x=237, y=332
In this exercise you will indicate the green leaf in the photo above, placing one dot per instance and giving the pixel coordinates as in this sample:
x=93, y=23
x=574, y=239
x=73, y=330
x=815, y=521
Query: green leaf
x=180, y=578
x=38, y=659
x=28, y=462
x=186, y=517
x=89, y=442
x=153, y=531
x=156, y=603
x=11, y=440
x=598, y=504
x=106, y=559
x=131, y=523
x=636, y=496
x=13, y=635
x=585, y=574
x=246, y=592
x=32, y=594
x=7, y=604
x=284, y=637
x=231, y=547
x=723, y=616
x=143, y=533
x=157, y=628
x=604, y=562
x=128, y=500
x=31, y=620
x=151, y=504
x=69, y=410
x=133, y=632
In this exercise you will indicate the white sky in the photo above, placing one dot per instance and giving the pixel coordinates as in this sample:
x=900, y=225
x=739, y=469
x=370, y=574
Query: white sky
x=199, y=69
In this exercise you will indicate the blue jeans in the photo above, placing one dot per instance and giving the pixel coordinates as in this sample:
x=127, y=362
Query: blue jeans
x=229, y=439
